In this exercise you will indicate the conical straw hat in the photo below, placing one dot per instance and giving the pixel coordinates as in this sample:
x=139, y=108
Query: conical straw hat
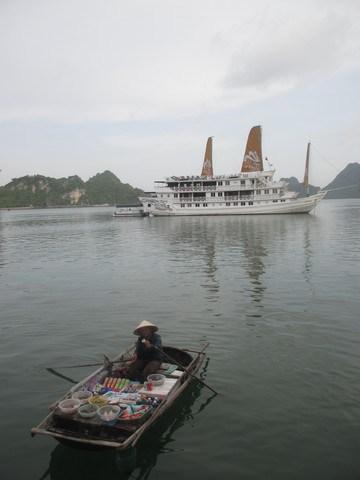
x=145, y=323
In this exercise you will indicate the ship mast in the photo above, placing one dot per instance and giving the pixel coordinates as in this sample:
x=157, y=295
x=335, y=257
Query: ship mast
x=306, y=175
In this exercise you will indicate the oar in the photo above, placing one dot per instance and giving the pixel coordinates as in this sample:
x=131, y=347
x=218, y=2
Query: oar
x=106, y=362
x=172, y=360
x=81, y=365
x=64, y=377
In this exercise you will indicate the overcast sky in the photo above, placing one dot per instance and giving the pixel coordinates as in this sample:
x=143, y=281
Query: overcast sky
x=136, y=87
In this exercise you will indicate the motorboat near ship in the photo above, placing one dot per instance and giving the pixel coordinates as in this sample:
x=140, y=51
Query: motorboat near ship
x=251, y=191
x=129, y=211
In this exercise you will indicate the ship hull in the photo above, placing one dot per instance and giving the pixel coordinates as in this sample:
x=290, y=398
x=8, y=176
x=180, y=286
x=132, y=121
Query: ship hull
x=299, y=205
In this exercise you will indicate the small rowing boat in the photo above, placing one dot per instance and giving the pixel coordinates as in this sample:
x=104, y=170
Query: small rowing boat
x=145, y=405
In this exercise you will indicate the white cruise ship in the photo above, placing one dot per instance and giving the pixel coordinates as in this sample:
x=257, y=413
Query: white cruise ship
x=252, y=191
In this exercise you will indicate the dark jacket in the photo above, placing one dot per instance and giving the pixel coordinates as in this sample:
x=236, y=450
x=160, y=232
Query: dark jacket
x=149, y=353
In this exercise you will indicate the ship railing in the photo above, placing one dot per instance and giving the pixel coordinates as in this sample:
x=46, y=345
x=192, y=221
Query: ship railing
x=231, y=198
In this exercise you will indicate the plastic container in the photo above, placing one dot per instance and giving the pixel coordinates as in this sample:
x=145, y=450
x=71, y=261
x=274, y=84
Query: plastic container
x=69, y=406
x=108, y=413
x=156, y=379
x=82, y=395
x=98, y=400
x=87, y=410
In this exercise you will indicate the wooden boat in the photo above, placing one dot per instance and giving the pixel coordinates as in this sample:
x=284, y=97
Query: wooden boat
x=121, y=435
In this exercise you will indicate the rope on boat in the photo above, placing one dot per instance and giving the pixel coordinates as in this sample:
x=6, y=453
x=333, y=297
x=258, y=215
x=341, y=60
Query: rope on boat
x=342, y=188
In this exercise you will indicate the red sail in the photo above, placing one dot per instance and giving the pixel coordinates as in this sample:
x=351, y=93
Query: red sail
x=207, y=169
x=253, y=155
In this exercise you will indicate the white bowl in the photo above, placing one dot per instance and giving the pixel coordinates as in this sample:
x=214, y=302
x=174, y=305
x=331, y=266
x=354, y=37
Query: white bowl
x=87, y=410
x=108, y=413
x=156, y=379
x=69, y=406
x=82, y=395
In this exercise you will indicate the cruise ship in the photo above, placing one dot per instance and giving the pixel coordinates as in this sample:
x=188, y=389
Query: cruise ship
x=252, y=191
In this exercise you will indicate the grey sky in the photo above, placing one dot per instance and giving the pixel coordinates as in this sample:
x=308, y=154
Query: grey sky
x=136, y=87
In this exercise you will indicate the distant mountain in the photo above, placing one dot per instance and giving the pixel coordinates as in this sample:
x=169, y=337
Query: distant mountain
x=41, y=191
x=347, y=183
x=107, y=188
x=295, y=186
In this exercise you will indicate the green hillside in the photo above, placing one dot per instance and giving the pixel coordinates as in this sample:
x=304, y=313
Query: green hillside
x=107, y=188
x=346, y=184
x=41, y=191
x=295, y=186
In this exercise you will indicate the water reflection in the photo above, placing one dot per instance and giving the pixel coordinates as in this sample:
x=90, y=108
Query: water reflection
x=195, y=239
x=308, y=253
x=68, y=463
x=2, y=244
x=207, y=250
x=207, y=244
x=254, y=250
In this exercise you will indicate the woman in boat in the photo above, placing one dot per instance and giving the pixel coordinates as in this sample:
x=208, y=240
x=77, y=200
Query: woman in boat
x=148, y=356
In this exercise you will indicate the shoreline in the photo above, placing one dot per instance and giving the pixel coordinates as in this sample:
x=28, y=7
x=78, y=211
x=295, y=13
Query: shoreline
x=7, y=209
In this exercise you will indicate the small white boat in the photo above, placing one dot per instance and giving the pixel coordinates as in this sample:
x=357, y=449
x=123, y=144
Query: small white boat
x=129, y=211
x=253, y=191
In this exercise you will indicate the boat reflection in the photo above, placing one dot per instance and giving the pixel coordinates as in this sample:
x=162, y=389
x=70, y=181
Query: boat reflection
x=67, y=463
x=209, y=244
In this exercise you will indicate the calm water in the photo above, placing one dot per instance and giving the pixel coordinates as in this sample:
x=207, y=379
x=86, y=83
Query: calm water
x=277, y=297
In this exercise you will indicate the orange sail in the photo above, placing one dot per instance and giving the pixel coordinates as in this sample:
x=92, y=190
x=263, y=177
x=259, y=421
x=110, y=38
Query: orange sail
x=253, y=155
x=207, y=169
x=306, y=175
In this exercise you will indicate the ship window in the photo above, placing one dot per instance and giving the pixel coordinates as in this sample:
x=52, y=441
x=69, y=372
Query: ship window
x=266, y=190
x=227, y=182
x=274, y=190
x=253, y=181
x=228, y=204
x=182, y=205
x=213, y=194
x=219, y=183
x=274, y=201
x=242, y=182
x=242, y=204
x=175, y=195
x=149, y=204
x=235, y=204
x=204, y=204
x=220, y=194
x=258, y=192
x=197, y=204
x=189, y=204
x=282, y=200
x=251, y=203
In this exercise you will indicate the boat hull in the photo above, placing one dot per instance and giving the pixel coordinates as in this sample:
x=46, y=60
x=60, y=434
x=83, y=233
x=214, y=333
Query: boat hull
x=298, y=205
x=127, y=215
x=88, y=442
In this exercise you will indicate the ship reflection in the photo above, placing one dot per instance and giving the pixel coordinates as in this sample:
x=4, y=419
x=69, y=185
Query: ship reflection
x=239, y=258
x=308, y=252
x=68, y=463
x=196, y=240
x=214, y=243
x=252, y=241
